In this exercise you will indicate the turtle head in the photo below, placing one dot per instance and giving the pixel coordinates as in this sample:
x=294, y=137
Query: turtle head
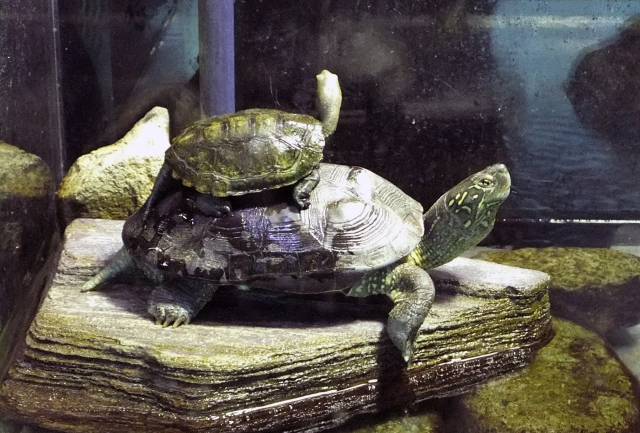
x=463, y=216
x=475, y=200
x=329, y=101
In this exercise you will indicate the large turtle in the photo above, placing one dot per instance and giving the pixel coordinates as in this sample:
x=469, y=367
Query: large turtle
x=252, y=150
x=361, y=235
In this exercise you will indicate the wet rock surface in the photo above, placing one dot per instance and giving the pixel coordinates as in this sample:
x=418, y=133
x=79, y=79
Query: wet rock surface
x=573, y=385
x=597, y=288
x=113, y=181
x=9, y=427
x=254, y=360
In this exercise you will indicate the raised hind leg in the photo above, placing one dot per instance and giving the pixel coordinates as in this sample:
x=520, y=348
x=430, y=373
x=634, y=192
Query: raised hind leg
x=412, y=292
x=160, y=186
x=177, y=302
x=302, y=190
x=213, y=206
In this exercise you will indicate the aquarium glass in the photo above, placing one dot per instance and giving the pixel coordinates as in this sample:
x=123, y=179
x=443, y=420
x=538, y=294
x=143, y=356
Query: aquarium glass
x=433, y=91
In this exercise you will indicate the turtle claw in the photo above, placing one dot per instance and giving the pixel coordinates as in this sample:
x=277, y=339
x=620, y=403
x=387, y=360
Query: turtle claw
x=303, y=201
x=213, y=206
x=407, y=354
x=181, y=321
x=302, y=191
x=171, y=316
x=174, y=306
x=402, y=335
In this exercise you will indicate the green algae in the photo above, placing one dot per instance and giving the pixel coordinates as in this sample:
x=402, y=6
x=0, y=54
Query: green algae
x=572, y=268
x=573, y=385
x=427, y=422
x=23, y=174
x=252, y=364
x=596, y=288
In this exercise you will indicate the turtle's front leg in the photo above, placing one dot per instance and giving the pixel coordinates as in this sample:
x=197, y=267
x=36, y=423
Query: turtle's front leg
x=412, y=291
x=178, y=301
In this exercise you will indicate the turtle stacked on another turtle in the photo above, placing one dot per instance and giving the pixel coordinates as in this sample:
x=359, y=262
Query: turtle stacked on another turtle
x=251, y=151
x=360, y=235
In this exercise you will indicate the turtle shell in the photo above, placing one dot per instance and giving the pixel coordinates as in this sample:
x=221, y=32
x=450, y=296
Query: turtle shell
x=357, y=221
x=247, y=151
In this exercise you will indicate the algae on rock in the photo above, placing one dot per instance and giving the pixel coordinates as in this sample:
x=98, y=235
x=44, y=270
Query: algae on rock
x=574, y=385
x=23, y=174
x=252, y=360
x=597, y=288
x=28, y=237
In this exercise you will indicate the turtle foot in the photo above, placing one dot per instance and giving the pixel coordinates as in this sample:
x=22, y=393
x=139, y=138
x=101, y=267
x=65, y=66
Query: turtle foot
x=170, y=315
x=176, y=304
x=303, y=200
x=160, y=187
x=412, y=292
x=302, y=191
x=213, y=206
x=402, y=335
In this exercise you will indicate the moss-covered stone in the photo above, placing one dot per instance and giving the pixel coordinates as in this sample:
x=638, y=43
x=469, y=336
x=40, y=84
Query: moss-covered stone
x=114, y=181
x=27, y=234
x=573, y=385
x=429, y=421
x=23, y=174
x=572, y=268
x=597, y=288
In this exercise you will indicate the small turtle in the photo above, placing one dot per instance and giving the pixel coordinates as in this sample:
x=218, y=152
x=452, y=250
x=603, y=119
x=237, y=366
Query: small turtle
x=252, y=150
x=360, y=235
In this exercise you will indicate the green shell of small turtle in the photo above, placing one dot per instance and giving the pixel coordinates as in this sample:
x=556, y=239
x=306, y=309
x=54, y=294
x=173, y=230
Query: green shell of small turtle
x=248, y=151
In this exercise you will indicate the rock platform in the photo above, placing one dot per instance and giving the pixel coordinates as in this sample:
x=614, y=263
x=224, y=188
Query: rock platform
x=256, y=360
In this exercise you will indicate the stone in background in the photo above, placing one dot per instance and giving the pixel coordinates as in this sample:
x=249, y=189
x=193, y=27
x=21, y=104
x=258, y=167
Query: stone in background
x=28, y=234
x=113, y=181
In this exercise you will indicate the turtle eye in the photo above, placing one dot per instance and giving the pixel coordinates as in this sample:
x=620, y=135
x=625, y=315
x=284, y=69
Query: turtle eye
x=486, y=182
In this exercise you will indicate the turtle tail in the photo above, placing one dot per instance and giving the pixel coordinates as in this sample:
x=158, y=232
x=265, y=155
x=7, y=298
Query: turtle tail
x=119, y=264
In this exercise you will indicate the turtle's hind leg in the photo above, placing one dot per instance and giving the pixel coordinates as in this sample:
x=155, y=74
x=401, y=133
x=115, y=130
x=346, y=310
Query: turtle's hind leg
x=412, y=291
x=177, y=301
x=120, y=263
x=163, y=180
x=213, y=206
x=302, y=191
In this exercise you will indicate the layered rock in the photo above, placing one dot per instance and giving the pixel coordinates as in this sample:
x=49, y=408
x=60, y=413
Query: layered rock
x=256, y=360
x=597, y=288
